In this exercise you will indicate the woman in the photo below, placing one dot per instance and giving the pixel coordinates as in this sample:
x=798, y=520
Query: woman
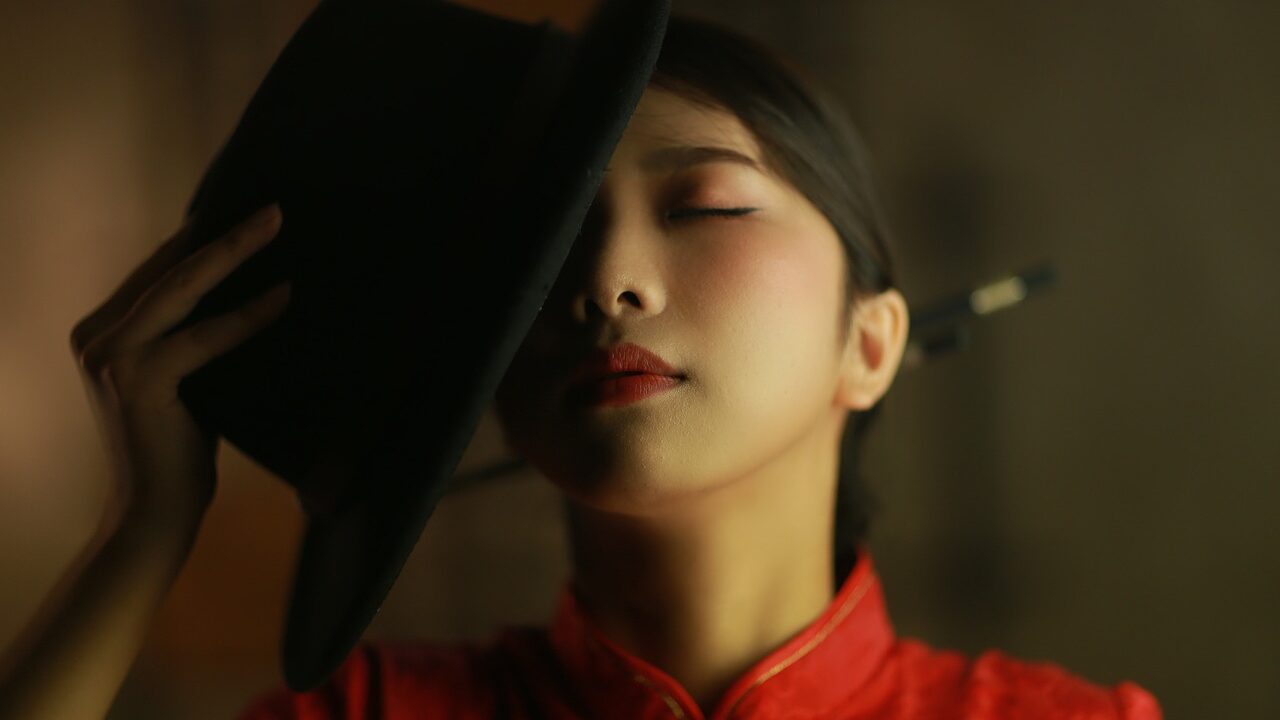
x=735, y=244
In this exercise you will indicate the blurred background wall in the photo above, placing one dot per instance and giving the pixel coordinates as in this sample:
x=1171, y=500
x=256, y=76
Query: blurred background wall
x=1092, y=482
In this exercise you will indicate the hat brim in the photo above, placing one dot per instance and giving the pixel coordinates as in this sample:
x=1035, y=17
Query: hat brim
x=350, y=559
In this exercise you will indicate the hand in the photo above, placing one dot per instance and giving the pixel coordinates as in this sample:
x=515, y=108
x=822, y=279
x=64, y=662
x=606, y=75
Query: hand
x=163, y=462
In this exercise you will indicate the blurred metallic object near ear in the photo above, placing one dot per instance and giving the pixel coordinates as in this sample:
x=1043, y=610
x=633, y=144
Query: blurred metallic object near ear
x=940, y=328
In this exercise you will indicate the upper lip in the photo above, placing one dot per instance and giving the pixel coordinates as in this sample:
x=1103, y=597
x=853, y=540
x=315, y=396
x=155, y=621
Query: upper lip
x=620, y=359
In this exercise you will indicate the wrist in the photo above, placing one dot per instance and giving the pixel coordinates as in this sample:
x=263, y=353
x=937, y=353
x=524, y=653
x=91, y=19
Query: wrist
x=157, y=526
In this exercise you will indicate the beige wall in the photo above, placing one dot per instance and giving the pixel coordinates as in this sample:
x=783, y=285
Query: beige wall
x=1093, y=482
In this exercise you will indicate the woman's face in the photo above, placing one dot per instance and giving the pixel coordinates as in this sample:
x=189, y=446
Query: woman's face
x=746, y=308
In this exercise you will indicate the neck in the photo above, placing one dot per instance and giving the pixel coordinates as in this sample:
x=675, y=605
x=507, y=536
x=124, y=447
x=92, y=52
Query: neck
x=707, y=588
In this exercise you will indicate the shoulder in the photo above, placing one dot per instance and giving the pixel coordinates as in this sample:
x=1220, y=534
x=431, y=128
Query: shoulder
x=390, y=679
x=993, y=685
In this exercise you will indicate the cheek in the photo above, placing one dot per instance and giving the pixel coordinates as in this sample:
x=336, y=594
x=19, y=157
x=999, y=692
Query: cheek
x=767, y=311
x=757, y=313
x=773, y=288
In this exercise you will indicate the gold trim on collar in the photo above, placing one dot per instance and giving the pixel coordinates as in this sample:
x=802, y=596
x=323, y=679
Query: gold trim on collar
x=849, y=604
x=672, y=705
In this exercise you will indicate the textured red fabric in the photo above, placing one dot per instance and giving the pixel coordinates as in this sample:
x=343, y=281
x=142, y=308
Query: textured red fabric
x=847, y=664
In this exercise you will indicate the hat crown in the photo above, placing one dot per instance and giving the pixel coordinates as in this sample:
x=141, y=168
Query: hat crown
x=375, y=129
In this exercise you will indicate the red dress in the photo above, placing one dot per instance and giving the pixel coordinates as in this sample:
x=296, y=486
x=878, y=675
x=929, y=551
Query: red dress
x=846, y=664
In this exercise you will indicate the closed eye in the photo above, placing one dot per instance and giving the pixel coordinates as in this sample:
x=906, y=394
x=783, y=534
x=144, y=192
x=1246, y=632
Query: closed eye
x=683, y=213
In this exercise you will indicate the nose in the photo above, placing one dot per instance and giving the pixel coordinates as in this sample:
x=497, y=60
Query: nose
x=618, y=270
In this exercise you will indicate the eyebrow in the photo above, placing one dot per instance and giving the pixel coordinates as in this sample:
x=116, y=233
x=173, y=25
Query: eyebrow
x=677, y=157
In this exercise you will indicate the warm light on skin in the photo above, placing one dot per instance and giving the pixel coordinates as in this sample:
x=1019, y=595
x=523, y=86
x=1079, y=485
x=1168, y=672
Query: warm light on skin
x=746, y=306
x=701, y=518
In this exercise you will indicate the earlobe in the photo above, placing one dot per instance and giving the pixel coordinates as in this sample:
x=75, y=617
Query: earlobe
x=877, y=341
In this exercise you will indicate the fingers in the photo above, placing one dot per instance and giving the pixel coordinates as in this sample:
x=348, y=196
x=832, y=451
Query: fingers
x=171, y=299
x=180, y=354
x=126, y=296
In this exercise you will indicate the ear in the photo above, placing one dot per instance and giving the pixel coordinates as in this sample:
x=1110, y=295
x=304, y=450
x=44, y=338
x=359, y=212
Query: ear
x=876, y=341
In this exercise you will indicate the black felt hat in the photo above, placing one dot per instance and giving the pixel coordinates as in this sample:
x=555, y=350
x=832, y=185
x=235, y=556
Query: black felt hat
x=433, y=164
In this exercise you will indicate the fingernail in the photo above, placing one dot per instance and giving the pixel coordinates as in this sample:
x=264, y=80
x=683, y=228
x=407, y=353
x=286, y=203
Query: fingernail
x=266, y=215
x=278, y=294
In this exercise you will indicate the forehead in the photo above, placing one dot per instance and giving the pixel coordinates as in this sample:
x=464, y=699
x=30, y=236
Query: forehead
x=664, y=119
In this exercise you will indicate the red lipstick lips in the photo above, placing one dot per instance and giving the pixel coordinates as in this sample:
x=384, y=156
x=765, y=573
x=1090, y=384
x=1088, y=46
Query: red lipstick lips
x=620, y=375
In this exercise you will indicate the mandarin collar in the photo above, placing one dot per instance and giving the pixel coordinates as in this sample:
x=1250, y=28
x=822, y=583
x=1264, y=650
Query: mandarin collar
x=812, y=673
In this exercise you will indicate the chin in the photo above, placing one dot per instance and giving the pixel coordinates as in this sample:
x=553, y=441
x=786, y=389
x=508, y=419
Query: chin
x=609, y=469
x=624, y=488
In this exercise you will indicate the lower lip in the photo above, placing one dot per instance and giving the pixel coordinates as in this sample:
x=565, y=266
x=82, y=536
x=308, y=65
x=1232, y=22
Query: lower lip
x=624, y=390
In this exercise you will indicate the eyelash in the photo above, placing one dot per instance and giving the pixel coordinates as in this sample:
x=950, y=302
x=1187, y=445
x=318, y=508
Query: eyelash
x=684, y=213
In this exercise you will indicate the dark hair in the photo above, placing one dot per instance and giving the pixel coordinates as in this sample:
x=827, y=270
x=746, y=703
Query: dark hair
x=806, y=138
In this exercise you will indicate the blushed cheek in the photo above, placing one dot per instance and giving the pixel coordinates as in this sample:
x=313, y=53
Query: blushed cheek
x=765, y=327
x=784, y=290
